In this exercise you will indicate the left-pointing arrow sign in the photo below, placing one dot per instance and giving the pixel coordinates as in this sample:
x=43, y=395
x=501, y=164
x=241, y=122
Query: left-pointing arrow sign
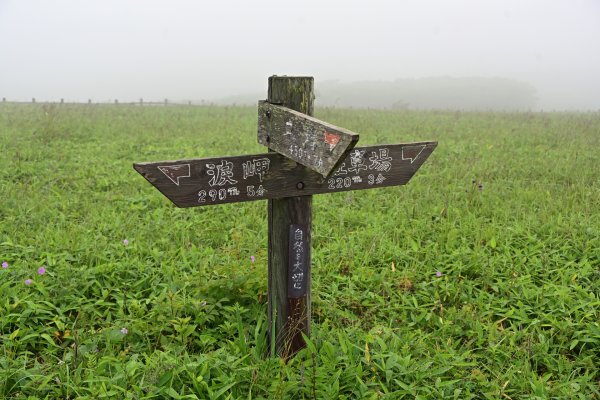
x=175, y=172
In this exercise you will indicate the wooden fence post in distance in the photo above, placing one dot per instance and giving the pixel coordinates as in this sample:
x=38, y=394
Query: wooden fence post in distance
x=289, y=315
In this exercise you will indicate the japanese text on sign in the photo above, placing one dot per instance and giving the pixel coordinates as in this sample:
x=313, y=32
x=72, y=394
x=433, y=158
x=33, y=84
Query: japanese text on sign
x=298, y=265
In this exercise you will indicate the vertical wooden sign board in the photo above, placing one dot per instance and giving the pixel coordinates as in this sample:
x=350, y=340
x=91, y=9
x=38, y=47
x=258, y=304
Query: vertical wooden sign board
x=297, y=261
x=298, y=283
x=288, y=179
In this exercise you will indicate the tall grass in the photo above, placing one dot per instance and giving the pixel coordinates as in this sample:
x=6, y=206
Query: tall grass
x=479, y=279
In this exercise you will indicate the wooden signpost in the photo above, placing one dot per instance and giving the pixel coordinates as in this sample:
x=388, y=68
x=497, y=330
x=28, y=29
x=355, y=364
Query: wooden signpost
x=307, y=157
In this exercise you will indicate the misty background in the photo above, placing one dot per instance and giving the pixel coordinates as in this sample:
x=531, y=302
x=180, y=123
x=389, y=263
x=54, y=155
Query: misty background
x=460, y=54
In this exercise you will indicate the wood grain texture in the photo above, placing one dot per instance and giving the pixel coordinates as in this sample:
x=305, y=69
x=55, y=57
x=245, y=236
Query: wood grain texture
x=211, y=181
x=313, y=143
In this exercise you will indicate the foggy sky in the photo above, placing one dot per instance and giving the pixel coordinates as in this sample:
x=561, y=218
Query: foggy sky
x=205, y=50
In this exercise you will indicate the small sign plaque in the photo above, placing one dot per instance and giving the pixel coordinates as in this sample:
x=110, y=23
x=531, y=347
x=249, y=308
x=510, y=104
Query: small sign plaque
x=313, y=143
x=298, y=261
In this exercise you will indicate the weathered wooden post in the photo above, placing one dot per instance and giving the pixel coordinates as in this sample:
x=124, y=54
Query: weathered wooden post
x=141, y=101
x=306, y=156
x=89, y=101
x=33, y=100
x=289, y=313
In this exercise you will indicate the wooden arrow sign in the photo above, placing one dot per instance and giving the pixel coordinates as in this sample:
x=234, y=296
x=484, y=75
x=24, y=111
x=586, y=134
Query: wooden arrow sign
x=201, y=182
x=308, y=141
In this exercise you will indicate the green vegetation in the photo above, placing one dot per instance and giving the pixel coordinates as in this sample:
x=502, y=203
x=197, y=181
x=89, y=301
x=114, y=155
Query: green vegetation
x=507, y=210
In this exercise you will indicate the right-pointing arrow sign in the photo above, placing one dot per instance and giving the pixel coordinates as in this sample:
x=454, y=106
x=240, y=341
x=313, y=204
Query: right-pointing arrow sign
x=313, y=143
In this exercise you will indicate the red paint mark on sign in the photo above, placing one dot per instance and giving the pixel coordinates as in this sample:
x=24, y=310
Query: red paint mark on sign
x=332, y=139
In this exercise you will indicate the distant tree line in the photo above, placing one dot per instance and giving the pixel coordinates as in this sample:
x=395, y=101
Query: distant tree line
x=475, y=93
x=445, y=93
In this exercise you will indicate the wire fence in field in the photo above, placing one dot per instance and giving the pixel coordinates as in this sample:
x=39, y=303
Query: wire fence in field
x=140, y=102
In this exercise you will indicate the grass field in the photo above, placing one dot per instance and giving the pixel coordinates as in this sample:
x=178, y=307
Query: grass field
x=480, y=279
